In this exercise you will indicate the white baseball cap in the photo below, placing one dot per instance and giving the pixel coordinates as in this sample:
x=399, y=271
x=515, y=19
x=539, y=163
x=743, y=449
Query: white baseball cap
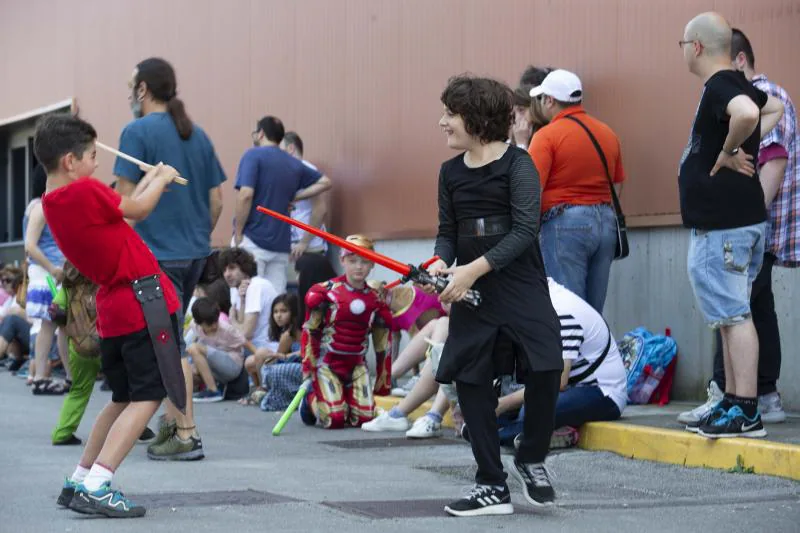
x=562, y=85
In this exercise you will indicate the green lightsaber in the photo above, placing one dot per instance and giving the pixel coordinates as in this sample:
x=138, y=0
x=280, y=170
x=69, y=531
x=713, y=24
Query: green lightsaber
x=52, y=284
x=287, y=414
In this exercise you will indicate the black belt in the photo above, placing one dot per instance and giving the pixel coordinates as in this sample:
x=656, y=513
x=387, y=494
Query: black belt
x=481, y=227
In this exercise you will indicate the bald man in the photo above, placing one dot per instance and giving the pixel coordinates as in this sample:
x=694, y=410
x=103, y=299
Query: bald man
x=722, y=202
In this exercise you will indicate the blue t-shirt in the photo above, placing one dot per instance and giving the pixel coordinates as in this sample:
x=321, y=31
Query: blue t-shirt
x=180, y=225
x=275, y=178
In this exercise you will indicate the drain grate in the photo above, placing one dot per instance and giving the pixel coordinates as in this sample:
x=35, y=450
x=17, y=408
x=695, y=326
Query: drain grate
x=206, y=499
x=402, y=508
x=399, y=442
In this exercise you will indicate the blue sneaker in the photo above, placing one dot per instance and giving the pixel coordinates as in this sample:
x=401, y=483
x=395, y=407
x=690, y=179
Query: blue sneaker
x=306, y=414
x=208, y=396
x=734, y=424
x=67, y=492
x=106, y=502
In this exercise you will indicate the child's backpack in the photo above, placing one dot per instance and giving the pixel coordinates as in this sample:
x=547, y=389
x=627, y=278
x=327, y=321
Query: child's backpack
x=649, y=361
x=81, y=325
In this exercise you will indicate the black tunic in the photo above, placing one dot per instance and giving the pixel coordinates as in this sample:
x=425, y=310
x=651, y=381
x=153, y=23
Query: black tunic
x=516, y=304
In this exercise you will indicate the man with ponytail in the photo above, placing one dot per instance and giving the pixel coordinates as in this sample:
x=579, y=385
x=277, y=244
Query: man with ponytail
x=179, y=229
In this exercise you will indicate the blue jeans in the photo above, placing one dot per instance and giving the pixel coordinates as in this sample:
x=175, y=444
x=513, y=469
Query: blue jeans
x=578, y=248
x=722, y=266
x=575, y=407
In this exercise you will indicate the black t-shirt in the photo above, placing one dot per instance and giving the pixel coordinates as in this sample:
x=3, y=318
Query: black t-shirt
x=728, y=199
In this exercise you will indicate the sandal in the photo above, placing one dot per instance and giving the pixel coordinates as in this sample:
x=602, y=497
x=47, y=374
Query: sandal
x=254, y=398
x=47, y=387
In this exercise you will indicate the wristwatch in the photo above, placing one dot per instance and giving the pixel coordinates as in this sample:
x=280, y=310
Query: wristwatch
x=732, y=152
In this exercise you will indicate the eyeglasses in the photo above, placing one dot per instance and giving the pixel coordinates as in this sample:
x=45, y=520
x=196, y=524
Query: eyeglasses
x=681, y=43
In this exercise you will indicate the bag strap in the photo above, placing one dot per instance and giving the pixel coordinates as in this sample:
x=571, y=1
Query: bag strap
x=617, y=206
x=594, y=366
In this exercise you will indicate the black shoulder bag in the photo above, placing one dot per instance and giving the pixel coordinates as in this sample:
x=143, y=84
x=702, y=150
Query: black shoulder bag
x=594, y=366
x=623, y=249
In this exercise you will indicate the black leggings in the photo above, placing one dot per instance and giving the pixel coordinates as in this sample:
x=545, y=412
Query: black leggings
x=16, y=328
x=478, y=404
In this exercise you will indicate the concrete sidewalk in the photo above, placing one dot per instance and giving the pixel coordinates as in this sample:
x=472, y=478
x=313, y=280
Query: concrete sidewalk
x=653, y=433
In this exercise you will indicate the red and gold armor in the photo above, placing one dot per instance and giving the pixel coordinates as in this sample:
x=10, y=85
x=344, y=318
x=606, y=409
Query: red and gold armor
x=335, y=341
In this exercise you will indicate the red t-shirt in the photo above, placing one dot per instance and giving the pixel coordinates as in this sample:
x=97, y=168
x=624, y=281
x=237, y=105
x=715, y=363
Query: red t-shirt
x=89, y=229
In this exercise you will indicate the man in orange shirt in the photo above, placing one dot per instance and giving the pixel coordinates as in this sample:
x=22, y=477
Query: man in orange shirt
x=578, y=232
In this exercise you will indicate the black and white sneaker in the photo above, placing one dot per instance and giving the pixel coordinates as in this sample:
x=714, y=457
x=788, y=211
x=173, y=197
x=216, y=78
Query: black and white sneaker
x=482, y=500
x=713, y=414
x=535, y=483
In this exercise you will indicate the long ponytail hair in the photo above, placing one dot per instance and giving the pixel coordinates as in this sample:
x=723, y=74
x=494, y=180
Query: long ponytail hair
x=159, y=76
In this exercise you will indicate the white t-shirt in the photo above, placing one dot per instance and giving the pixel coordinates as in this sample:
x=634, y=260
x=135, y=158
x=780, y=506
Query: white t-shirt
x=302, y=212
x=584, y=336
x=258, y=299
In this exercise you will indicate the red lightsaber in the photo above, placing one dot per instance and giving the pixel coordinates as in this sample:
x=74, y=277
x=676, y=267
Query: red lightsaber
x=397, y=282
x=409, y=272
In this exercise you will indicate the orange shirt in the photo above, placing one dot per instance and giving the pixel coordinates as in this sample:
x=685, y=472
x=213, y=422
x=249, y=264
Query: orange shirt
x=570, y=169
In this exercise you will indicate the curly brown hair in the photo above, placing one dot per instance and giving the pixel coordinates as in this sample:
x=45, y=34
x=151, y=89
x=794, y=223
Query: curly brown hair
x=239, y=257
x=485, y=105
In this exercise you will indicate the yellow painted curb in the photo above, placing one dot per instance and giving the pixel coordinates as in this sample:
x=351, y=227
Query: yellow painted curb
x=669, y=446
x=387, y=402
x=683, y=448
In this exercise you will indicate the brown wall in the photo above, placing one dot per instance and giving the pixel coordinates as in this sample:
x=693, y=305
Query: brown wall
x=360, y=79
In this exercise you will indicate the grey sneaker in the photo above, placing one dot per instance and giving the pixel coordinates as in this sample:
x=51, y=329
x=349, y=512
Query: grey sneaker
x=771, y=408
x=177, y=449
x=695, y=415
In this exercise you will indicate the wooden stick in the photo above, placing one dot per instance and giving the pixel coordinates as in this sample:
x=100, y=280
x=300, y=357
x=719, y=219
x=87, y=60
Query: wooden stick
x=126, y=157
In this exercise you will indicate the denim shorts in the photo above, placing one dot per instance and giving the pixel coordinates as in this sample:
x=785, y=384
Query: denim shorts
x=722, y=265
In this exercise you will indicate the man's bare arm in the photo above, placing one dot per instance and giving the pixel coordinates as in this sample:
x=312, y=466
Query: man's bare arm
x=744, y=119
x=322, y=185
x=771, y=176
x=215, y=205
x=244, y=201
x=771, y=114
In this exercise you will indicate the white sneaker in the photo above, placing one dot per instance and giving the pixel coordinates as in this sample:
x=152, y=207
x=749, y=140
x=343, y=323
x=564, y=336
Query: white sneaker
x=714, y=397
x=384, y=422
x=403, y=391
x=424, y=427
x=771, y=408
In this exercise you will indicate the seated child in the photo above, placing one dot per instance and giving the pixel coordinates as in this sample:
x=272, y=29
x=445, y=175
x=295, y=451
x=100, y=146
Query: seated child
x=218, y=351
x=341, y=314
x=283, y=375
x=433, y=335
x=283, y=337
x=412, y=311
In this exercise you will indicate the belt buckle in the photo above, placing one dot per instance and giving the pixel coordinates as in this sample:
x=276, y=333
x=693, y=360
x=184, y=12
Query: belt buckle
x=480, y=227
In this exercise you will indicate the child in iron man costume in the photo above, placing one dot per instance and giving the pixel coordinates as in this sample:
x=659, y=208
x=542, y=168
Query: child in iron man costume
x=340, y=316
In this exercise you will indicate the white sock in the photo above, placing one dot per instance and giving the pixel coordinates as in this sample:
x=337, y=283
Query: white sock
x=79, y=474
x=97, y=476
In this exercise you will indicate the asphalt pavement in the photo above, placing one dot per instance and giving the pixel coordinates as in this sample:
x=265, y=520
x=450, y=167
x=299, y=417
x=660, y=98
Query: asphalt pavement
x=310, y=479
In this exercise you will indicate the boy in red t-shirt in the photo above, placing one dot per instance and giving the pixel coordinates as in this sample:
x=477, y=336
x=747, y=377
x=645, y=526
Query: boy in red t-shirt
x=87, y=219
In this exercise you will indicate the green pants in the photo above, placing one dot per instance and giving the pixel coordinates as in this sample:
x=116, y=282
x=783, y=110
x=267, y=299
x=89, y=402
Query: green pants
x=84, y=374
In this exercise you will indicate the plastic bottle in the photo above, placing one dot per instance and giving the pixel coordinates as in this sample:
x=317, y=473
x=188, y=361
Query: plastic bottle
x=651, y=380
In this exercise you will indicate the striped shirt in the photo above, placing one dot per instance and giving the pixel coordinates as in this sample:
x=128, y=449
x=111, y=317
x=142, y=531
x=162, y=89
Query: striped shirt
x=584, y=337
x=783, y=237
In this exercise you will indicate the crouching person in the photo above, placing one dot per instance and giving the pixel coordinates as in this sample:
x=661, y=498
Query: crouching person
x=593, y=383
x=341, y=314
x=218, y=352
